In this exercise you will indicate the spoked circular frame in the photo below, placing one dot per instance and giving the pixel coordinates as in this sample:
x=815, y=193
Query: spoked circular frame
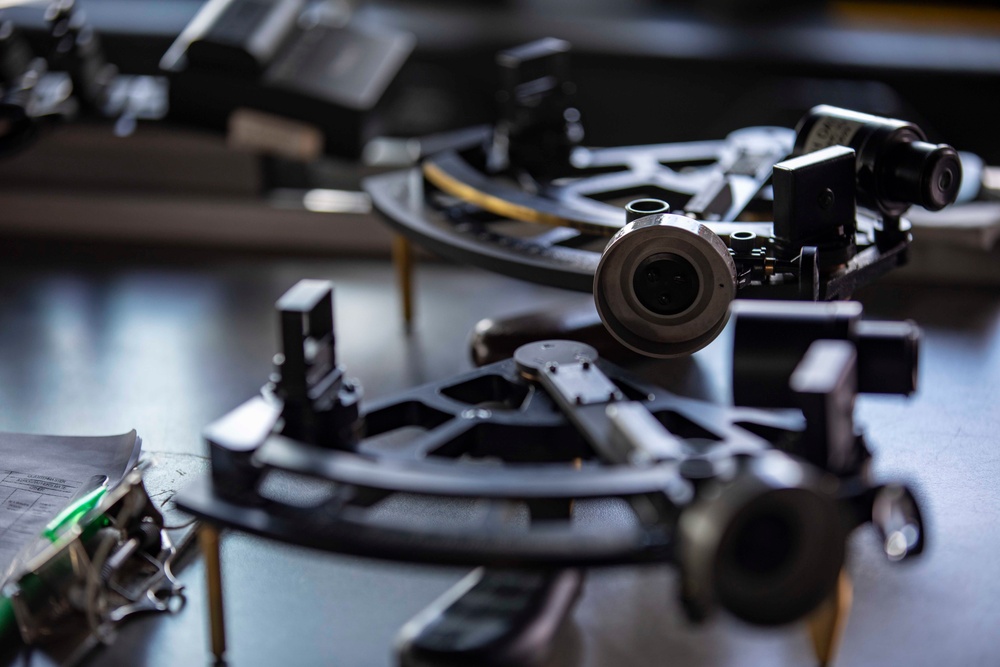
x=484, y=469
x=553, y=232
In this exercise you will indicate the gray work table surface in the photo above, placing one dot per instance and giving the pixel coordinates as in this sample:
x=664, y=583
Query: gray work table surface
x=101, y=340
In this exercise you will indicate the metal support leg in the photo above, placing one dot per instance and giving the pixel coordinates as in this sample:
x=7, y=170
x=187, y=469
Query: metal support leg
x=826, y=625
x=208, y=537
x=402, y=258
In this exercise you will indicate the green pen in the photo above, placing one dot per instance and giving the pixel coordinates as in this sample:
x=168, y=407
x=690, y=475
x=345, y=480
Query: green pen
x=8, y=624
x=72, y=513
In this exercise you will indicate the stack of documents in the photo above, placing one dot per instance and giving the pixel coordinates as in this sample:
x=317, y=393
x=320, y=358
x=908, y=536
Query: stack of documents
x=42, y=474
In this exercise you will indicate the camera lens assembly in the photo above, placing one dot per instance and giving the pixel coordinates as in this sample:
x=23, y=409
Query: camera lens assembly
x=664, y=284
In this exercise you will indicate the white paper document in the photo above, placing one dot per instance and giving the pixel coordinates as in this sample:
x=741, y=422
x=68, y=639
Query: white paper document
x=42, y=474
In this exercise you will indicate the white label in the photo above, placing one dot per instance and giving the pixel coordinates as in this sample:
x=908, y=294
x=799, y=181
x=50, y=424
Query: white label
x=830, y=132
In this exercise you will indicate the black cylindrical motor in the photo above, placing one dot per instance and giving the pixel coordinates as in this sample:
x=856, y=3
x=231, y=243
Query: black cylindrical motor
x=896, y=165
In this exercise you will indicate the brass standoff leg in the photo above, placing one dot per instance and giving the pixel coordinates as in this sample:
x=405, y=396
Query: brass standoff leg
x=826, y=625
x=208, y=538
x=402, y=259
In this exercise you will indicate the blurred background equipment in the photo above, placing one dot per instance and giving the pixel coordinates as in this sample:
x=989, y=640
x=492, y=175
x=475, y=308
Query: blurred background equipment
x=714, y=220
x=679, y=71
x=312, y=79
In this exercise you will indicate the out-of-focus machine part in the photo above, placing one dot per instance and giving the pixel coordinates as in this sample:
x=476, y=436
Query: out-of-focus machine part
x=443, y=87
x=76, y=50
x=538, y=127
x=752, y=506
x=808, y=214
x=114, y=562
x=69, y=78
x=287, y=77
x=764, y=363
x=27, y=93
x=18, y=108
x=282, y=77
x=18, y=76
x=296, y=87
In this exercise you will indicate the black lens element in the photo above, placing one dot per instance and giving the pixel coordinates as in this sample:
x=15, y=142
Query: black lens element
x=765, y=545
x=666, y=284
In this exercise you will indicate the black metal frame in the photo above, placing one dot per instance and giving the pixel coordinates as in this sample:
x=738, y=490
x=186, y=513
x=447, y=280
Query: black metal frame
x=553, y=427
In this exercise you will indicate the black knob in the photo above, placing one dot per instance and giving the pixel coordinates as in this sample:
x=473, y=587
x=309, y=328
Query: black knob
x=743, y=243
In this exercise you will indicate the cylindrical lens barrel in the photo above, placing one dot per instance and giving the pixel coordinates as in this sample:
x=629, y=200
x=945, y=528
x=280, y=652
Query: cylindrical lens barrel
x=664, y=285
x=768, y=545
x=896, y=166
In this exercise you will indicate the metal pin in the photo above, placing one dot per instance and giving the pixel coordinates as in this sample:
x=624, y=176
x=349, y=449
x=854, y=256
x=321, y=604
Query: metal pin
x=402, y=259
x=208, y=538
x=826, y=624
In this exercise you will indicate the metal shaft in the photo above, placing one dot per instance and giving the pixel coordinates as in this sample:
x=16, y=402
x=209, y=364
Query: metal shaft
x=208, y=537
x=402, y=258
x=826, y=625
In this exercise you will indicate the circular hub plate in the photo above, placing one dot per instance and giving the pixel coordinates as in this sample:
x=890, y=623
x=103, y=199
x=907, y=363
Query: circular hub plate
x=533, y=357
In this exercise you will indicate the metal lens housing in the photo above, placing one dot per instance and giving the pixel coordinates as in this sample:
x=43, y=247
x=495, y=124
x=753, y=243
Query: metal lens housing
x=769, y=546
x=664, y=284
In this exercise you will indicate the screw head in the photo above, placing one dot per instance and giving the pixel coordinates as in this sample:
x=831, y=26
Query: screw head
x=825, y=199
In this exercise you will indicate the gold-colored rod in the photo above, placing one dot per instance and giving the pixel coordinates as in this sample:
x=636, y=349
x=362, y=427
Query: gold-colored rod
x=208, y=538
x=444, y=181
x=451, y=185
x=402, y=258
x=826, y=625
